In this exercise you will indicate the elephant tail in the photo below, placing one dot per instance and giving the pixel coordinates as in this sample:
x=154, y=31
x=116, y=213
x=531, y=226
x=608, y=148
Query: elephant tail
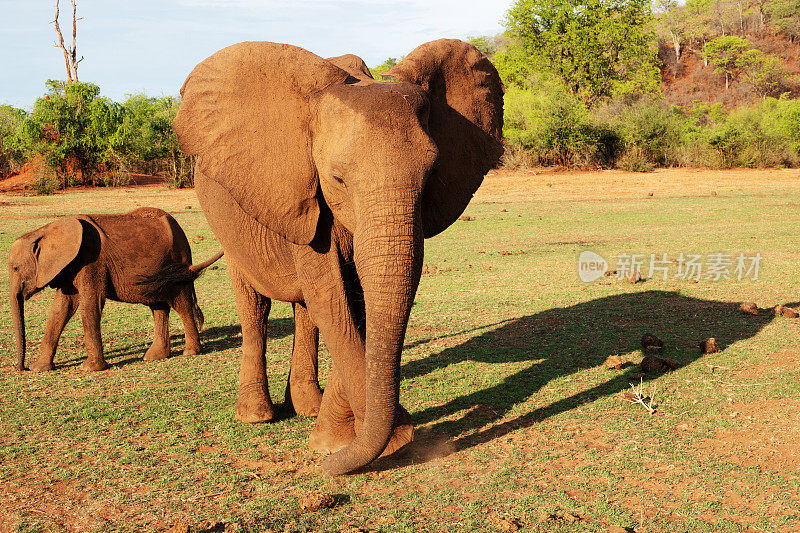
x=205, y=264
x=167, y=280
x=199, y=319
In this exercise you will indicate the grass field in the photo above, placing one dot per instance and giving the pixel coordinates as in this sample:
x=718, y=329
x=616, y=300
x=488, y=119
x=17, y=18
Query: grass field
x=519, y=424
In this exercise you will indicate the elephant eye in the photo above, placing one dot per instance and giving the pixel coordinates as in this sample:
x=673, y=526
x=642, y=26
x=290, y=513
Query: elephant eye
x=16, y=268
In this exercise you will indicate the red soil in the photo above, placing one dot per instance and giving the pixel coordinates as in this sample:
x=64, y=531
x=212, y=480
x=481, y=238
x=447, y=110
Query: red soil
x=22, y=180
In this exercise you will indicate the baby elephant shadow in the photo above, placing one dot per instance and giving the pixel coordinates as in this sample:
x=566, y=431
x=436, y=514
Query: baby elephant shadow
x=214, y=339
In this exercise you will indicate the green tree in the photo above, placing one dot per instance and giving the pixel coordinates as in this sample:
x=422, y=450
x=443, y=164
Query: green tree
x=486, y=45
x=764, y=72
x=70, y=127
x=383, y=67
x=671, y=23
x=145, y=138
x=598, y=47
x=785, y=14
x=11, y=156
x=513, y=65
x=700, y=22
x=724, y=53
x=551, y=122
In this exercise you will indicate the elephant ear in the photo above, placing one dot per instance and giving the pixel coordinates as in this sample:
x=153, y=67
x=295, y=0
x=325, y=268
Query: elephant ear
x=57, y=245
x=245, y=114
x=466, y=123
x=353, y=65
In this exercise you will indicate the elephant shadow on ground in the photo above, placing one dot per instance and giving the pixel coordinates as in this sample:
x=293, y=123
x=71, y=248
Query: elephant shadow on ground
x=213, y=339
x=557, y=343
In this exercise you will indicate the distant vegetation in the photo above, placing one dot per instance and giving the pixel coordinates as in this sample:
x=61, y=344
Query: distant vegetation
x=74, y=136
x=632, y=84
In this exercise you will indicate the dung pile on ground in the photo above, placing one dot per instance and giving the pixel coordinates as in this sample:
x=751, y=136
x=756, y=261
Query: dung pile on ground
x=614, y=362
x=788, y=312
x=316, y=501
x=651, y=343
x=750, y=308
x=652, y=364
x=709, y=345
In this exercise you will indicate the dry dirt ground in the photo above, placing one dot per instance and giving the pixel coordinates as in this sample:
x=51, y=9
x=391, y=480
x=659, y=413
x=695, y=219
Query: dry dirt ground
x=600, y=185
x=538, y=184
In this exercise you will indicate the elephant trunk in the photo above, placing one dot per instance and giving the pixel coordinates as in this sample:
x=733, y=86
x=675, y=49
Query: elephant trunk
x=18, y=317
x=388, y=258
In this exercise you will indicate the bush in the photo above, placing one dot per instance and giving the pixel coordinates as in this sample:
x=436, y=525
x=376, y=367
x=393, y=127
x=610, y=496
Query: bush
x=633, y=160
x=516, y=157
x=546, y=125
x=145, y=137
x=70, y=128
x=11, y=157
x=46, y=181
x=649, y=133
x=550, y=122
x=182, y=173
x=764, y=135
x=782, y=117
x=86, y=138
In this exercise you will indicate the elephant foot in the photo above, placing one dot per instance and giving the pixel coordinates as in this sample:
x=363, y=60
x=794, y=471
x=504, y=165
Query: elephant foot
x=254, y=411
x=94, y=366
x=42, y=366
x=156, y=353
x=254, y=417
x=304, y=398
x=192, y=350
x=329, y=439
x=402, y=434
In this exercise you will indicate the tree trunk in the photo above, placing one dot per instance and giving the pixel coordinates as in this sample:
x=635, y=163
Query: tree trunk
x=62, y=46
x=741, y=17
x=74, y=61
x=676, y=42
x=70, y=56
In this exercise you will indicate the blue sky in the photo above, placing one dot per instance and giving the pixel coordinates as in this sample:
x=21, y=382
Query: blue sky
x=151, y=45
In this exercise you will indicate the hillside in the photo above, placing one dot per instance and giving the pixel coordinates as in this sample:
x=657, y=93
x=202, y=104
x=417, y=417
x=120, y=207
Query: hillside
x=690, y=80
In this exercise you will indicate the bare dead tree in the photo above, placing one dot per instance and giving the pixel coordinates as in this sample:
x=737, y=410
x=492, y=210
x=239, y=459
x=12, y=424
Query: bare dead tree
x=70, y=56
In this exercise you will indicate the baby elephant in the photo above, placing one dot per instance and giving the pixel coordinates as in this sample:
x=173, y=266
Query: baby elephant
x=139, y=257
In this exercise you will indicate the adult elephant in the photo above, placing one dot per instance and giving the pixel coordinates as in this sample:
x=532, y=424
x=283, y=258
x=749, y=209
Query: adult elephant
x=321, y=184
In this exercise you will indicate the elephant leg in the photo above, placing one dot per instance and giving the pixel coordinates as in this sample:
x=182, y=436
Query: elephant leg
x=254, y=403
x=302, y=390
x=160, y=347
x=324, y=290
x=184, y=306
x=335, y=427
x=91, y=309
x=62, y=309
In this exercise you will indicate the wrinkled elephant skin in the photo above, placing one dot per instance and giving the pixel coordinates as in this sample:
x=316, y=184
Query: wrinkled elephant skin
x=139, y=257
x=321, y=184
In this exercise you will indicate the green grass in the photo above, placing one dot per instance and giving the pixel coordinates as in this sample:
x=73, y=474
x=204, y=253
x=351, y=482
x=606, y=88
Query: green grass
x=503, y=372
